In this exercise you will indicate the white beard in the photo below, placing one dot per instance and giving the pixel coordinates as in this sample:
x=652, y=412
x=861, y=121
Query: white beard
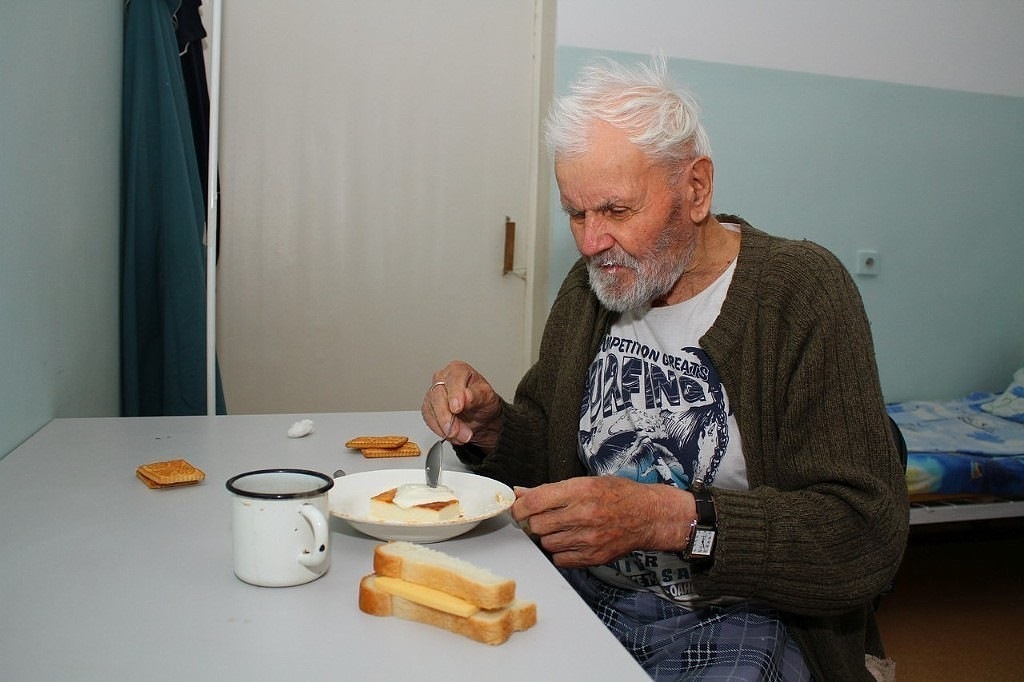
x=654, y=275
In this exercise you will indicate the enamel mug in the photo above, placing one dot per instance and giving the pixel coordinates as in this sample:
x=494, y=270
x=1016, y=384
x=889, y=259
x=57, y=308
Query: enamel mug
x=279, y=526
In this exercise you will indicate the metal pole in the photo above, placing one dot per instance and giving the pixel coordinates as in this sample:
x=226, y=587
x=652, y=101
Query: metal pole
x=211, y=214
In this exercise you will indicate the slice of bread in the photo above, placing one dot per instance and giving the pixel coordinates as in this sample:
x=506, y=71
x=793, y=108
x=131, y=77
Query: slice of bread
x=493, y=626
x=432, y=568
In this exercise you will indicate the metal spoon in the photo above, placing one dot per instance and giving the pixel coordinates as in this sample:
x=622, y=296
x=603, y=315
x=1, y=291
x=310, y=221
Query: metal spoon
x=435, y=455
x=433, y=464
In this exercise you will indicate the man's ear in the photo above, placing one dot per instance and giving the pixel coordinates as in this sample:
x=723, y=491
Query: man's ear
x=700, y=185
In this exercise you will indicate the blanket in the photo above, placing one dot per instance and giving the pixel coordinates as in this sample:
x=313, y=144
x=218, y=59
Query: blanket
x=961, y=447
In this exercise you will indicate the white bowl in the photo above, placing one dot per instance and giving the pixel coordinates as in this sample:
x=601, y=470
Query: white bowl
x=481, y=498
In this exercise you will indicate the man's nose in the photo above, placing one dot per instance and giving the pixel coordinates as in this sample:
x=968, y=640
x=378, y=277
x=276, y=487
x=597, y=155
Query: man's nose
x=592, y=235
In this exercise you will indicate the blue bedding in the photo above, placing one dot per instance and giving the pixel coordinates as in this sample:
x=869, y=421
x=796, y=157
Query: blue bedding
x=961, y=448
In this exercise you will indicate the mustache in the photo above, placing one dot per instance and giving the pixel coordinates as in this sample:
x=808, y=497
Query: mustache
x=616, y=257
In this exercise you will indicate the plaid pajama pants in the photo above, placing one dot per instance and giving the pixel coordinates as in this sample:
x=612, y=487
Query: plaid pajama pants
x=737, y=643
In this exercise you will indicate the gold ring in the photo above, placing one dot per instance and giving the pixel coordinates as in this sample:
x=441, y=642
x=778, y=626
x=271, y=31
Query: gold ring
x=436, y=384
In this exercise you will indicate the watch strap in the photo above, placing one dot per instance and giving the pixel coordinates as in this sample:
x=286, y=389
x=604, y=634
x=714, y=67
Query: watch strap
x=700, y=546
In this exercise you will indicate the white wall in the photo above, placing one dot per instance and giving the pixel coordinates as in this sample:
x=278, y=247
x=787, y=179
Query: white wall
x=974, y=46
x=60, y=116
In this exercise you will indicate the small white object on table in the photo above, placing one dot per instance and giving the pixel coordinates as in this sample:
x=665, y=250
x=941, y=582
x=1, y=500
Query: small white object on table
x=103, y=578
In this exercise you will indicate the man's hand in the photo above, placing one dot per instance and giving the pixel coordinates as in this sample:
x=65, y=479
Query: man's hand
x=591, y=520
x=462, y=406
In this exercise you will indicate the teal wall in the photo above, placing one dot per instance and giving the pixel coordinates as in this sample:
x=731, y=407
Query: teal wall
x=931, y=179
x=60, y=115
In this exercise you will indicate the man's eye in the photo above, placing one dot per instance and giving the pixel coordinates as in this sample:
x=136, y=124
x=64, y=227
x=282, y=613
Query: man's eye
x=613, y=212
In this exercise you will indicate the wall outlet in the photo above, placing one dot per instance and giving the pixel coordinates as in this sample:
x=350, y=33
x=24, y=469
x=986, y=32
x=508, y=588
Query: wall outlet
x=867, y=262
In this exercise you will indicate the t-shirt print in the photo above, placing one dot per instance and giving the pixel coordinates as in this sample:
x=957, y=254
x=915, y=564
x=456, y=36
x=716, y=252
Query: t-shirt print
x=653, y=416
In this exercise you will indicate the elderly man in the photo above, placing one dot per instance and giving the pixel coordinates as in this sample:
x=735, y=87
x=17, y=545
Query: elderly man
x=702, y=446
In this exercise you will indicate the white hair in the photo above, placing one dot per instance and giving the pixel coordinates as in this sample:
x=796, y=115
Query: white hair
x=641, y=101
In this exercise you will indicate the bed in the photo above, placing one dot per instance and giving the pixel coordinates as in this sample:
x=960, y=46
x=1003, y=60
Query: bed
x=965, y=457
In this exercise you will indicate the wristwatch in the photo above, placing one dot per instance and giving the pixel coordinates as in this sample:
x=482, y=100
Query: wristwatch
x=703, y=530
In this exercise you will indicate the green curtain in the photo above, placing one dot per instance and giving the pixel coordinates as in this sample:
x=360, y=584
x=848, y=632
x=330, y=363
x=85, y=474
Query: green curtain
x=163, y=262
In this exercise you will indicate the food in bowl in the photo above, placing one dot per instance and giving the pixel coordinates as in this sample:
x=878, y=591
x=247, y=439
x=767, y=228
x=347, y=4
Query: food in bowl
x=416, y=503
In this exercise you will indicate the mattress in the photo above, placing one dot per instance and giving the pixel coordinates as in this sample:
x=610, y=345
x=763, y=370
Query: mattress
x=960, y=447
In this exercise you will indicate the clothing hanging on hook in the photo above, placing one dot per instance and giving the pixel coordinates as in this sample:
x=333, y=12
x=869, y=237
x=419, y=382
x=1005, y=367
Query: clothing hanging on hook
x=190, y=32
x=188, y=26
x=163, y=273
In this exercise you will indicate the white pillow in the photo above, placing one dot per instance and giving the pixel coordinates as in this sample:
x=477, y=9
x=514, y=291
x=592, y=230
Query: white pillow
x=1009, y=405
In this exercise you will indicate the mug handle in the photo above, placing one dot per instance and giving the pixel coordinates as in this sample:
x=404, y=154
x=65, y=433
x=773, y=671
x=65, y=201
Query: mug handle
x=320, y=534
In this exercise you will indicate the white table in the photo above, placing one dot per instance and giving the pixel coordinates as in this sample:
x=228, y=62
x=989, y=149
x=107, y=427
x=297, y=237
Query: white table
x=102, y=578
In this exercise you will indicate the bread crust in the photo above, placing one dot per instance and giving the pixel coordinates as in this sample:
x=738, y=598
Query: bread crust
x=371, y=600
x=431, y=568
x=487, y=626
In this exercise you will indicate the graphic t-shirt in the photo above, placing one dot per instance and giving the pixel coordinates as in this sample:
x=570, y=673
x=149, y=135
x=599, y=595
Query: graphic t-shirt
x=656, y=411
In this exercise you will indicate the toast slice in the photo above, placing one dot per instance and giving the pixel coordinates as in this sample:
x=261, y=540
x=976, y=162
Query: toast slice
x=432, y=568
x=492, y=626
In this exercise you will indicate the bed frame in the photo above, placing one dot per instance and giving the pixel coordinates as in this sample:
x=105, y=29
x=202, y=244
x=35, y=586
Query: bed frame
x=968, y=508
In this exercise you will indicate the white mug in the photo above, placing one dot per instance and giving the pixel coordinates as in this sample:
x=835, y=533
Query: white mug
x=279, y=522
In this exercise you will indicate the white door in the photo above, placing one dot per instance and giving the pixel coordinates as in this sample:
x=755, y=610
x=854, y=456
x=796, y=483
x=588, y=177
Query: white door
x=370, y=154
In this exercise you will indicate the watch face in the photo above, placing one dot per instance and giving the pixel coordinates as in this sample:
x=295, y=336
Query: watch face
x=703, y=542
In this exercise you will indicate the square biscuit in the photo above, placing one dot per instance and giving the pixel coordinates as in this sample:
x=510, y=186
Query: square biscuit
x=169, y=473
x=376, y=442
x=409, y=449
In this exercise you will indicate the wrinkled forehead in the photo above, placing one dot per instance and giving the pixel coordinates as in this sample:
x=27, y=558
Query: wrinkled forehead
x=612, y=168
